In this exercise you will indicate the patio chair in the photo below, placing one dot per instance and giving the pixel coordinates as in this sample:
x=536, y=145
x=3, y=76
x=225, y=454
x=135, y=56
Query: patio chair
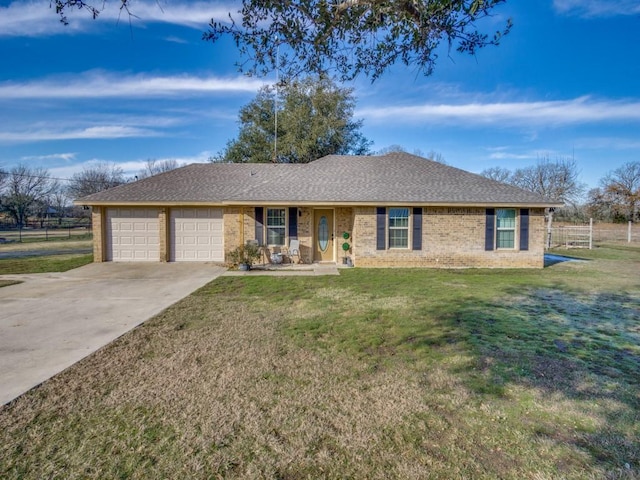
x=294, y=250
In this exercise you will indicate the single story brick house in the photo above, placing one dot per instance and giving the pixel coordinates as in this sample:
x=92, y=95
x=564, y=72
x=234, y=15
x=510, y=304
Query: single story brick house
x=394, y=210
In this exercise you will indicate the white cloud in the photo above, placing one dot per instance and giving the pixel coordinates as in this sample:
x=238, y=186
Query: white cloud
x=174, y=39
x=130, y=167
x=101, y=84
x=549, y=113
x=608, y=143
x=35, y=18
x=508, y=153
x=597, y=8
x=511, y=156
x=201, y=157
x=96, y=132
x=67, y=157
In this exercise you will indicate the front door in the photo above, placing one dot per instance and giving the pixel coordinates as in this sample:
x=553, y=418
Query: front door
x=323, y=251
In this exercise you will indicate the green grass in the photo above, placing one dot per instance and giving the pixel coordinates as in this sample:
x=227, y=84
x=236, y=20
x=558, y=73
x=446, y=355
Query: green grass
x=43, y=264
x=371, y=374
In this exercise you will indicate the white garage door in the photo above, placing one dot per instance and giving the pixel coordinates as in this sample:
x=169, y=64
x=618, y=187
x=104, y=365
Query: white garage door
x=197, y=235
x=133, y=235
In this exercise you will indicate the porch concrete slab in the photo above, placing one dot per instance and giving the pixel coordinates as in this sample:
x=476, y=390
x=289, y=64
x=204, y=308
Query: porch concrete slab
x=52, y=320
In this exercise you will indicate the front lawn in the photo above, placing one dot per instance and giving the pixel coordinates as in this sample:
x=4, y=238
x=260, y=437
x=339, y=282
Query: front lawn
x=43, y=263
x=370, y=374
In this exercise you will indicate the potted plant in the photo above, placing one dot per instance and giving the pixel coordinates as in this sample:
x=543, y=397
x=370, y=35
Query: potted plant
x=244, y=255
x=345, y=247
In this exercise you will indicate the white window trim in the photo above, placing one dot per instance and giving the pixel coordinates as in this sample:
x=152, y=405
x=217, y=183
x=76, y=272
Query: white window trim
x=515, y=229
x=408, y=228
x=266, y=226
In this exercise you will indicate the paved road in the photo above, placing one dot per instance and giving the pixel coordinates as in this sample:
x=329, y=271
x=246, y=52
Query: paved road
x=52, y=320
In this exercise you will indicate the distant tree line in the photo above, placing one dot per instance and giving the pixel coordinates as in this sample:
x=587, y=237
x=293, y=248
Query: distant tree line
x=32, y=193
x=617, y=199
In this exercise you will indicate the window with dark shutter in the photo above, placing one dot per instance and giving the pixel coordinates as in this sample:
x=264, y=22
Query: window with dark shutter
x=417, y=229
x=489, y=233
x=381, y=221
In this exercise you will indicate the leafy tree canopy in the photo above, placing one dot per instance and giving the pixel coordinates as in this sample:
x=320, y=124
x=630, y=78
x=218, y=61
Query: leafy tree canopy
x=314, y=119
x=350, y=37
x=342, y=37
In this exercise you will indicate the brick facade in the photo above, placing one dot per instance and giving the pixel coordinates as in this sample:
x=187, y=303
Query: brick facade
x=306, y=234
x=163, y=232
x=344, y=224
x=99, y=238
x=452, y=237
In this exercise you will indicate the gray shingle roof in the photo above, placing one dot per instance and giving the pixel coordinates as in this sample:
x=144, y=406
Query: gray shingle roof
x=395, y=178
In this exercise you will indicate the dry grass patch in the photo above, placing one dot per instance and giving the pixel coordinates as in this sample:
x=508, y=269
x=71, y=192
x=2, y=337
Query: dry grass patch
x=43, y=264
x=373, y=374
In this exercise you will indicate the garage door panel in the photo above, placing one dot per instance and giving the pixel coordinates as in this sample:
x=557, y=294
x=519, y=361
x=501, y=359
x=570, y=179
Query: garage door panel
x=197, y=235
x=133, y=235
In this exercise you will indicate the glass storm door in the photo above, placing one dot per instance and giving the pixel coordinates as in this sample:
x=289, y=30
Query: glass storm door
x=323, y=251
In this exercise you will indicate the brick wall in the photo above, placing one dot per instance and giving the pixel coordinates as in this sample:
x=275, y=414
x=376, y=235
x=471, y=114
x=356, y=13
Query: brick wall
x=451, y=238
x=344, y=223
x=233, y=233
x=163, y=232
x=97, y=225
x=305, y=234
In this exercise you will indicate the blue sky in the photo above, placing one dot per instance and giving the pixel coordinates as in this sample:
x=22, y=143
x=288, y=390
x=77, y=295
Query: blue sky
x=564, y=83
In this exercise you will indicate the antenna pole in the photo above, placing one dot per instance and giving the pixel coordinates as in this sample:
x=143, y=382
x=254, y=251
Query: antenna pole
x=275, y=102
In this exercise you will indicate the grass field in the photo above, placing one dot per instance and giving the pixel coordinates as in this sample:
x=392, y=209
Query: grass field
x=43, y=264
x=370, y=374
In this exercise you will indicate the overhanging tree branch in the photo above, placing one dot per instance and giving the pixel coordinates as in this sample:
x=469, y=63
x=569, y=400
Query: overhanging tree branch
x=353, y=37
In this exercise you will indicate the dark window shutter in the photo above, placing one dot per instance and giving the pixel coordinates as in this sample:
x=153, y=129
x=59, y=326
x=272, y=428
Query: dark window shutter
x=293, y=223
x=259, y=225
x=417, y=228
x=489, y=233
x=524, y=229
x=381, y=223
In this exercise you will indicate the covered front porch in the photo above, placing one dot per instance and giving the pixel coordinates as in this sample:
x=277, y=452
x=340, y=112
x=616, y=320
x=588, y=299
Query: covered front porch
x=292, y=235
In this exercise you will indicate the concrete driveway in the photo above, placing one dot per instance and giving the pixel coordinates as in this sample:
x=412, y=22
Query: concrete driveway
x=52, y=320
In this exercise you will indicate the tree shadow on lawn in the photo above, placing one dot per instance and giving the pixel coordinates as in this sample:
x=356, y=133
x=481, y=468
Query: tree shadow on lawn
x=581, y=347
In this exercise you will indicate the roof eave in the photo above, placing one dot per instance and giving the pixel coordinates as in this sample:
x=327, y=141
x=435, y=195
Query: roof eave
x=300, y=203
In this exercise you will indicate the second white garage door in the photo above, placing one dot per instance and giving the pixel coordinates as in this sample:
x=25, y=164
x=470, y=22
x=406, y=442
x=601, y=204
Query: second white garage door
x=197, y=235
